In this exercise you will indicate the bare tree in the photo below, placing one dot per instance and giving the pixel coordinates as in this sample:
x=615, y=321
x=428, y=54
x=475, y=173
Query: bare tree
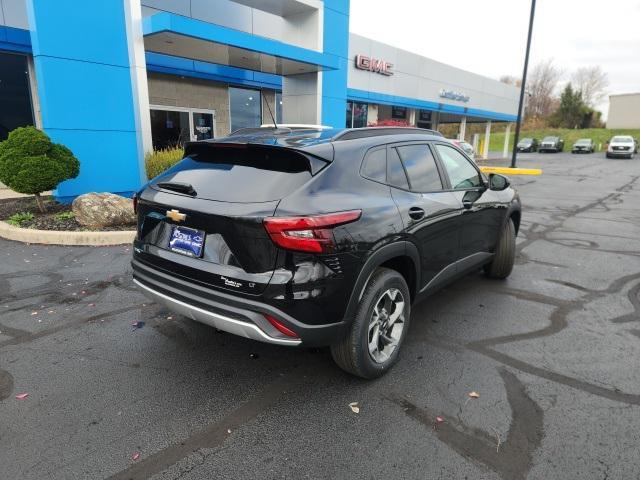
x=541, y=86
x=510, y=80
x=592, y=82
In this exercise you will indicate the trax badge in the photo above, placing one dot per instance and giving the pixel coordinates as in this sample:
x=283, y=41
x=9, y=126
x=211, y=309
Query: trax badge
x=176, y=216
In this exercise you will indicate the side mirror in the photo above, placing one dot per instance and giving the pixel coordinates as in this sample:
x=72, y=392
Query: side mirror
x=498, y=182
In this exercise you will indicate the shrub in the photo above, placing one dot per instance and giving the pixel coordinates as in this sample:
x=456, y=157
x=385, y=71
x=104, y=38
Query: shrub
x=31, y=163
x=17, y=219
x=160, y=160
x=65, y=216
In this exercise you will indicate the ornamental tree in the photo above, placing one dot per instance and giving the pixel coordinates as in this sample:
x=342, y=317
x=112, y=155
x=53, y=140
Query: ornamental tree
x=31, y=163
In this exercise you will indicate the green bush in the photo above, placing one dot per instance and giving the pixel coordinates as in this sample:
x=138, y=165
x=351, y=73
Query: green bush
x=30, y=163
x=161, y=160
x=17, y=219
x=65, y=216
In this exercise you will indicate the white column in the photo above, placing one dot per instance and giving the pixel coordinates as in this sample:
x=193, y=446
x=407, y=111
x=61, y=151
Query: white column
x=412, y=117
x=505, y=152
x=487, y=137
x=476, y=142
x=463, y=128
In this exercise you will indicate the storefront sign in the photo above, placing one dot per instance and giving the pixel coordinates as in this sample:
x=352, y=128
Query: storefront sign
x=453, y=95
x=374, y=65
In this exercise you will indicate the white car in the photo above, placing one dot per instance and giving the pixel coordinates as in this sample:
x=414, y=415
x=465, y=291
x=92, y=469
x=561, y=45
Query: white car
x=622, y=146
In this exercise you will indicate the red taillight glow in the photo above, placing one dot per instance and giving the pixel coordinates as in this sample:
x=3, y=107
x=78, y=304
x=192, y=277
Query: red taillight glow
x=135, y=203
x=280, y=326
x=308, y=234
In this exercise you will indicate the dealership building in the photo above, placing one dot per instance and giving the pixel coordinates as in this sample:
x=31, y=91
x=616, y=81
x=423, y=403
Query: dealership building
x=113, y=79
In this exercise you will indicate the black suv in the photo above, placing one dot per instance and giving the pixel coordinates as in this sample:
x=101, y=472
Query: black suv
x=320, y=236
x=551, y=144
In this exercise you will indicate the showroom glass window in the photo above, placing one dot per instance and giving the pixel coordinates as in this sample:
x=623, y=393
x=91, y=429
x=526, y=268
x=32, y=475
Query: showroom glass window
x=245, y=108
x=15, y=97
x=356, y=115
x=169, y=128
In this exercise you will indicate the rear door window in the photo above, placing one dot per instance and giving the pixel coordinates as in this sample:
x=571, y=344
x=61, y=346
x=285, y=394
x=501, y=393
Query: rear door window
x=375, y=165
x=421, y=168
x=462, y=174
x=396, y=175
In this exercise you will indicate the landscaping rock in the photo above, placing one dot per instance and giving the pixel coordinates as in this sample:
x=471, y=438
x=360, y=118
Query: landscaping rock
x=103, y=210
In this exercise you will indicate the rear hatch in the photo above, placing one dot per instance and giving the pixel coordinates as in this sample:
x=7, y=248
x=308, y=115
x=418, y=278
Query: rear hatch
x=216, y=198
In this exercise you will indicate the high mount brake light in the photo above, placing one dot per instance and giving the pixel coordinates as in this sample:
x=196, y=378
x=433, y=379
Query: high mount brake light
x=308, y=234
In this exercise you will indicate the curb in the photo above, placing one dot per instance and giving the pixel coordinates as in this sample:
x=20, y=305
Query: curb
x=55, y=237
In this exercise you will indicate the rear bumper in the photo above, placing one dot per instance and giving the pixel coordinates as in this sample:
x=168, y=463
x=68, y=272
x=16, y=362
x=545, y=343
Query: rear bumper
x=229, y=313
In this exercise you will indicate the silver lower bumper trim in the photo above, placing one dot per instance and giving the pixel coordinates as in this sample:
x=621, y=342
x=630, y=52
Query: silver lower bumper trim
x=226, y=324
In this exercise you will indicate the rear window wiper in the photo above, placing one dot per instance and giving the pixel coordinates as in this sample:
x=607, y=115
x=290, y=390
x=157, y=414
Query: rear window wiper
x=179, y=187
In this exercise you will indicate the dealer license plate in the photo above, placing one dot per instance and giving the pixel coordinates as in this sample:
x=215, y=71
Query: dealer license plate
x=186, y=241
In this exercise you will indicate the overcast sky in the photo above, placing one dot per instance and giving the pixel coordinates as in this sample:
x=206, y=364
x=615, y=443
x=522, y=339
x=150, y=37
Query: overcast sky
x=489, y=36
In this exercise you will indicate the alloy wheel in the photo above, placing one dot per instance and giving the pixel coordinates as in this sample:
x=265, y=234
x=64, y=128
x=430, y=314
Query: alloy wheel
x=386, y=325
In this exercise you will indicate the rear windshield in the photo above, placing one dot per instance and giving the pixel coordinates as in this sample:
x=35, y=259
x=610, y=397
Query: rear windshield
x=622, y=138
x=550, y=139
x=583, y=141
x=526, y=140
x=241, y=173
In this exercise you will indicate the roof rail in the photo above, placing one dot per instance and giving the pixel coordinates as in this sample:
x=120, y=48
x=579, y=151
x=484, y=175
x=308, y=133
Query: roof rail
x=354, y=133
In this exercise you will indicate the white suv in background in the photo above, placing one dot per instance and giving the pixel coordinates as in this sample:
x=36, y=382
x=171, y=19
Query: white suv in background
x=622, y=146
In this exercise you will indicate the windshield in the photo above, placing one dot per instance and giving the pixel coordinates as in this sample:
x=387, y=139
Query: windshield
x=526, y=140
x=622, y=138
x=550, y=139
x=583, y=141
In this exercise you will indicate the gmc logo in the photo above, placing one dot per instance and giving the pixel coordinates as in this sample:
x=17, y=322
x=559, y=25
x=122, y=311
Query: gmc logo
x=373, y=65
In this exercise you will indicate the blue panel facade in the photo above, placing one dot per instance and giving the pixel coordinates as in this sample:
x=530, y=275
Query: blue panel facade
x=81, y=55
x=15, y=39
x=335, y=44
x=157, y=62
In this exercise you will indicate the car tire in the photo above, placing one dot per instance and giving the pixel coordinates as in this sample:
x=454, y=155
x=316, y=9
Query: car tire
x=353, y=352
x=504, y=258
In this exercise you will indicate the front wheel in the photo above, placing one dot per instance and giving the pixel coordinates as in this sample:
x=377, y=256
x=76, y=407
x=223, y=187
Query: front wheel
x=504, y=258
x=373, y=342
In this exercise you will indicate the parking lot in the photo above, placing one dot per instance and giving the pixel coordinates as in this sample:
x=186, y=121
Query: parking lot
x=552, y=352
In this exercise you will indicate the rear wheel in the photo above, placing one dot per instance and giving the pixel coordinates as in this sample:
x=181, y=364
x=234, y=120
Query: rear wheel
x=502, y=263
x=373, y=342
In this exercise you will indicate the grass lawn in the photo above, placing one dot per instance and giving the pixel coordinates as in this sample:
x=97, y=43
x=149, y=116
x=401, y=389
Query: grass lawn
x=599, y=135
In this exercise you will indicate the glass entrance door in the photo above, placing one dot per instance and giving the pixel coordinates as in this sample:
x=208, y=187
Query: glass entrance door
x=202, y=125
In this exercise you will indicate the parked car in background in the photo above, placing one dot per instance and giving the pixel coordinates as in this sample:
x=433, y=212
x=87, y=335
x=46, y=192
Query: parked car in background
x=466, y=147
x=320, y=236
x=622, y=146
x=528, y=145
x=551, y=144
x=584, y=145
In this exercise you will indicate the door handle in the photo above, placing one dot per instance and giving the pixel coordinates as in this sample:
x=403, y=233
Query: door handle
x=416, y=213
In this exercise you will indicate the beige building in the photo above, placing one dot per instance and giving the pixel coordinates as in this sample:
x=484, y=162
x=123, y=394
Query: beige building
x=624, y=111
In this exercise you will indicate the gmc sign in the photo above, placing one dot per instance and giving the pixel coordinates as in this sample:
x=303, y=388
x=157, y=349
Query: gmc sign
x=374, y=65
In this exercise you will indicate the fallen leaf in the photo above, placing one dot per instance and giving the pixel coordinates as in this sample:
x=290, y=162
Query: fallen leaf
x=135, y=456
x=354, y=407
x=34, y=313
x=138, y=324
x=22, y=396
x=228, y=430
x=92, y=304
x=253, y=355
x=474, y=394
x=169, y=317
x=439, y=419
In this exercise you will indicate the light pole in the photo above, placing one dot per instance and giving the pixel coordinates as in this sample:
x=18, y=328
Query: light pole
x=522, y=87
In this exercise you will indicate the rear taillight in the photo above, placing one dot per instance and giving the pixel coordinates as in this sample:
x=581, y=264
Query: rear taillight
x=308, y=234
x=135, y=203
x=280, y=326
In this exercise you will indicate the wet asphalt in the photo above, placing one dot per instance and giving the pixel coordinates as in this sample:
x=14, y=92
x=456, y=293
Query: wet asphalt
x=553, y=353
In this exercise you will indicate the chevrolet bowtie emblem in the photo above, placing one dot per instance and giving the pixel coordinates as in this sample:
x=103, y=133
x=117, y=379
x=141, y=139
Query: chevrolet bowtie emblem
x=176, y=216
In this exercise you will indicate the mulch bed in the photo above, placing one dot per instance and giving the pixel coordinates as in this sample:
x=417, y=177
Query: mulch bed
x=48, y=220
